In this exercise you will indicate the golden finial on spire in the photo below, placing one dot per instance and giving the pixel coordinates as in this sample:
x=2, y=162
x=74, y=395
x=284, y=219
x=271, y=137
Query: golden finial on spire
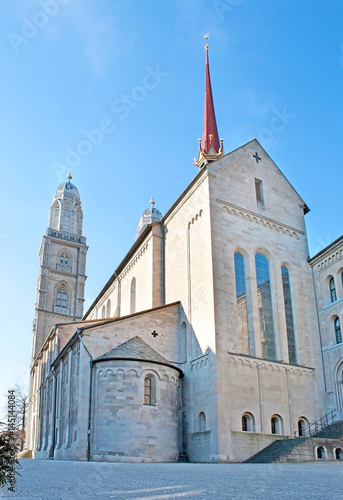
x=206, y=37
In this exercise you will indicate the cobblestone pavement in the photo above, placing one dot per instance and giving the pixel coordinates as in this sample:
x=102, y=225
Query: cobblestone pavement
x=63, y=480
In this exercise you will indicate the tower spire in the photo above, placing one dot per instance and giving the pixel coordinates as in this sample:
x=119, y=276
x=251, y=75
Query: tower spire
x=211, y=148
x=210, y=123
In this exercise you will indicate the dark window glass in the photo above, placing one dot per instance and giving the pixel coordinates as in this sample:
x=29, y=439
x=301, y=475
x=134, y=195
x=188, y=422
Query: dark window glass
x=333, y=295
x=289, y=315
x=265, y=307
x=242, y=317
x=147, y=391
x=150, y=390
x=202, y=421
x=64, y=260
x=301, y=427
x=338, y=332
x=62, y=297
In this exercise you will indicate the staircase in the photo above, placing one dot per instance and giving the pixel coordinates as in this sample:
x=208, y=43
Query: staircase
x=275, y=451
x=302, y=448
x=332, y=431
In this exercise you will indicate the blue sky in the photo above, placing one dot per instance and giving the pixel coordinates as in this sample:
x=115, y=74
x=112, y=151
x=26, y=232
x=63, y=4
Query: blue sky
x=135, y=69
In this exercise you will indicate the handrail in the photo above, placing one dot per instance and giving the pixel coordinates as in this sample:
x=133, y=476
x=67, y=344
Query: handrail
x=313, y=428
x=308, y=431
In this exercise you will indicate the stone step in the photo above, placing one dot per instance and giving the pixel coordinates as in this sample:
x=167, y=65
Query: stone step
x=333, y=431
x=282, y=447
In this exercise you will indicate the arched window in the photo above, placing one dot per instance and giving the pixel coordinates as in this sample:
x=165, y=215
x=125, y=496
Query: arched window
x=339, y=454
x=321, y=453
x=202, y=421
x=289, y=315
x=64, y=259
x=133, y=296
x=276, y=424
x=248, y=422
x=108, y=307
x=332, y=286
x=338, y=332
x=54, y=222
x=241, y=299
x=103, y=314
x=302, y=427
x=339, y=387
x=62, y=297
x=264, y=296
x=150, y=390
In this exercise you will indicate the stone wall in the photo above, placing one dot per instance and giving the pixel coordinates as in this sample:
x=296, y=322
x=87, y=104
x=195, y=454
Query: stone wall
x=275, y=228
x=126, y=429
x=199, y=447
x=247, y=444
x=307, y=452
x=327, y=265
x=145, y=267
x=164, y=320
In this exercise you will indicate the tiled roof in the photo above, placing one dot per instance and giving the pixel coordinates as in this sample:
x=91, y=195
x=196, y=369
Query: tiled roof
x=135, y=348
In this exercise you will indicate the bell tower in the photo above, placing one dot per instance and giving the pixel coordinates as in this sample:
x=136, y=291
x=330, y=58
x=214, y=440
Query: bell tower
x=62, y=265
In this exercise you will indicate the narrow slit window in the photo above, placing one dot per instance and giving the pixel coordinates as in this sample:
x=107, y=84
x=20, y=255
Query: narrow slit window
x=150, y=390
x=338, y=332
x=333, y=294
x=241, y=299
x=147, y=391
x=289, y=315
x=258, y=190
x=265, y=306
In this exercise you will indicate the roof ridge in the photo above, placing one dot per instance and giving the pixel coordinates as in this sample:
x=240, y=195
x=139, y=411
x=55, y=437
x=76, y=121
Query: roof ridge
x=134, y=348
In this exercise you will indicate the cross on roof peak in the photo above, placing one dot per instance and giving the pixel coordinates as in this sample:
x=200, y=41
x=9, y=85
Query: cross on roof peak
x=257, y=158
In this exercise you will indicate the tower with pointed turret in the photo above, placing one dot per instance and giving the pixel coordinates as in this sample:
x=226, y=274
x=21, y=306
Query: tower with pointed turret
x=62, y=265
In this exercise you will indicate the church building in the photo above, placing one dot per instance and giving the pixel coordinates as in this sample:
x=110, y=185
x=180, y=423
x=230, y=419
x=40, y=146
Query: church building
x=204, y=345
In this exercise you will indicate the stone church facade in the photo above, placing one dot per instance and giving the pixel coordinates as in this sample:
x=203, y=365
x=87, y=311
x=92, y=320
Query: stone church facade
x=204, y=344
x=327, y=268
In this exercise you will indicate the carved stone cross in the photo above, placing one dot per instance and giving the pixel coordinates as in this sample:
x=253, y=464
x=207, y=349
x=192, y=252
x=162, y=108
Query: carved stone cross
x=257, y=158
x=154, y=334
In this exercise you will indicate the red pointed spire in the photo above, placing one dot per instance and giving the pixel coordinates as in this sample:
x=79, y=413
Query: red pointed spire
x=210, y=149
x=210, y=123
